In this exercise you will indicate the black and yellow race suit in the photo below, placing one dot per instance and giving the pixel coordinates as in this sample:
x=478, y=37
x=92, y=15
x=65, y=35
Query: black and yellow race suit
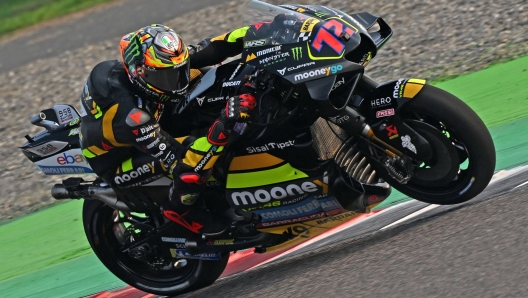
x=121, y=135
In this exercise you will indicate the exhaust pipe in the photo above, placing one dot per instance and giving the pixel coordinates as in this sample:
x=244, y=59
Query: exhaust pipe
x=89, y=192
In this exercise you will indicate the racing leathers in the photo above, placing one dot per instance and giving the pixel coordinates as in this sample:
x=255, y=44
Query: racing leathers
x=123, y=142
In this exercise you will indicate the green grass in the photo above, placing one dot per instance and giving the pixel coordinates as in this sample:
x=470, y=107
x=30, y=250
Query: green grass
x=18, y=14
x=42, y=239
x=498, y=94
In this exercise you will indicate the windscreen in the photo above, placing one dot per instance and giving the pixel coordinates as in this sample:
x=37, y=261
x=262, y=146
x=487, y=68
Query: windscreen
x=279, y=25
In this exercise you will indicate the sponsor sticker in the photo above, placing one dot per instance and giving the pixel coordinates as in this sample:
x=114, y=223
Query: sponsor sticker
x=72, y=160
x=151, y=145
x=270, y=146
x=221, y=242
x=47, y=148
x=300, y=66
x=392, y=131
x=406, y=143
x=303, y=208
x=231, y=84
x=205, y=159
x=143, y=138
x=308, y=25
x=282, y=192
x=50, y=170
x=339, y=119
x=269, y=50
x=326, y=71
x=250, y=57
x=274, y=59
x=217, y=99
x=182, y=253
x=173, y=240
x=129, y=175
x=290, y=220
x=254, y=43
x=297, y=53
x=398, y=89
x=385, y=113
x=66, y=159
x=64, y=113
x=380, y=102
x=147, y=129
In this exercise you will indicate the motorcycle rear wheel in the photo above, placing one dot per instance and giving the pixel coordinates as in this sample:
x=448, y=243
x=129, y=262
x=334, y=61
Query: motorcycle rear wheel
x=99, y=226
x=463, y=160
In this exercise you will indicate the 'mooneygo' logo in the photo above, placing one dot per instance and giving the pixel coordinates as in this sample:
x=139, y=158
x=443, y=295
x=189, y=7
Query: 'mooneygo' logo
x=279, y=192
x=326, y=71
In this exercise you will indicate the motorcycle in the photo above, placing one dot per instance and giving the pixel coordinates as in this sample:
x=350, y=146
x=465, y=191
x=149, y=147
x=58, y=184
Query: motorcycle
x=326, y=143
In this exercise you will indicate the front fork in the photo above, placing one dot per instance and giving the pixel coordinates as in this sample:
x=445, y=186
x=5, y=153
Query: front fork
x=390, y=140
x=397, y=164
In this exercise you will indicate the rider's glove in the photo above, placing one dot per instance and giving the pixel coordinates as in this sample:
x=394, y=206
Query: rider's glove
x=237, y=110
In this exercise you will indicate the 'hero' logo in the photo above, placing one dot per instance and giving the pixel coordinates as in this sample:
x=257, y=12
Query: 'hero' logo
x=379, y=102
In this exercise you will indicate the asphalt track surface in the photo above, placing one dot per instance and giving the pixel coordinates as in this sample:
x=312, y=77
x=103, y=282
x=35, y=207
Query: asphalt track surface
x=104, y=22
x=477, y=249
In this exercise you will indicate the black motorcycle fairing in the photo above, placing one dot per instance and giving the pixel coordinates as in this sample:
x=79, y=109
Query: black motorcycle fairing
x=214, y=85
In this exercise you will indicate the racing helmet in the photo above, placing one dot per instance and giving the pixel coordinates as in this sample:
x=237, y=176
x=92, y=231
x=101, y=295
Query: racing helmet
x=157, y=61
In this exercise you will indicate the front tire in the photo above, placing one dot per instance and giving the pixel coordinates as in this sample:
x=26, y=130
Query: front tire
x=100, y=226
x=463, y=160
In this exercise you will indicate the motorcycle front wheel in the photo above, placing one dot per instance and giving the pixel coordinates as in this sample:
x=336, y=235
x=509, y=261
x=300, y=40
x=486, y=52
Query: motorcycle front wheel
x=107, y=231
x=463, y=159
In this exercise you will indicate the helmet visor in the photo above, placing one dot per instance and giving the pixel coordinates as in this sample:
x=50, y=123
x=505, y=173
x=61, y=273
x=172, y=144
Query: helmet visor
x=171, y=80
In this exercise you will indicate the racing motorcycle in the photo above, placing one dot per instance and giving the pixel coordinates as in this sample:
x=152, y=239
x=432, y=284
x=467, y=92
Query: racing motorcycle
x=325, y=144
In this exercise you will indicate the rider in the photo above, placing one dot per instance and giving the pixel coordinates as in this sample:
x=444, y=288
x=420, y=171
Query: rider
x=121, y=108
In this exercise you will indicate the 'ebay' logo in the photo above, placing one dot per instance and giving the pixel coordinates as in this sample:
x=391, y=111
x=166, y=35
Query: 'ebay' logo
x=70, y=159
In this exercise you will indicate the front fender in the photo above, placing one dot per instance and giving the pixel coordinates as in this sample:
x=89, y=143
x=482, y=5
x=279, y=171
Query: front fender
x=387, y=98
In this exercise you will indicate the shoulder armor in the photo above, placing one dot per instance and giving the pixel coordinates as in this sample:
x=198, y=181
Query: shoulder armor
x=137, y=117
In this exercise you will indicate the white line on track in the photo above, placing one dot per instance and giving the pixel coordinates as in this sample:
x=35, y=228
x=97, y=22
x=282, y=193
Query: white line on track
x=500, y=175
x=423, y=210
x=522, y=184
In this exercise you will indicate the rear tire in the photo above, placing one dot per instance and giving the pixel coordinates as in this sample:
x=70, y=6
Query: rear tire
x=100, y=228
x=458, y=138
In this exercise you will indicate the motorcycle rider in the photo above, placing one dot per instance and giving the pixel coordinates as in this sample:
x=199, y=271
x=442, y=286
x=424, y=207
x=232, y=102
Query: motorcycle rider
x=121, y=107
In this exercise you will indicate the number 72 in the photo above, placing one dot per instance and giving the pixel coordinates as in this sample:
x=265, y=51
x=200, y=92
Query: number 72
x=329, y=33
